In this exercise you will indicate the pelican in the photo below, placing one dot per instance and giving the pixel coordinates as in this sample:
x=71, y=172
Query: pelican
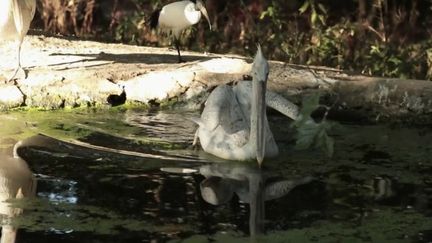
x=233, y=124
x=177, y=16
x=15, y=19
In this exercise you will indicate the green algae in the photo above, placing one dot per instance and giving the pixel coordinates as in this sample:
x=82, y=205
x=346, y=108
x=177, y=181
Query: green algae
x=352, y=213
x=43, y=214
x=380, y=226
x=74, y=124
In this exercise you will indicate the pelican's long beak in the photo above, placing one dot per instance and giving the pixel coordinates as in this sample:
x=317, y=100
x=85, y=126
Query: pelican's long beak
x=261, y=111
x=259, y=82
x=203, y=10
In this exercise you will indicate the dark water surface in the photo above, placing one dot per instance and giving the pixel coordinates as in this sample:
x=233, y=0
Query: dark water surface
x=132, y=176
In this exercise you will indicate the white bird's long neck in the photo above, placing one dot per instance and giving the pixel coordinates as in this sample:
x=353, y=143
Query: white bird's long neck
x=15, y=149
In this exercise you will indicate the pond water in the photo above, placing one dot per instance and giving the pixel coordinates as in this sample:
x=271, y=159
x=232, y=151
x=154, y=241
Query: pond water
x=132, y=176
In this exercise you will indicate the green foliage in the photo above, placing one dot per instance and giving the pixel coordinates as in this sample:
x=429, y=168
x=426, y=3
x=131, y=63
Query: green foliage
x=376, y=40
x=317, y=12
x=127, y=30
x=429, y=63
x=311, y=133
x=386, y=59
x=350, y=45
x=324, y=48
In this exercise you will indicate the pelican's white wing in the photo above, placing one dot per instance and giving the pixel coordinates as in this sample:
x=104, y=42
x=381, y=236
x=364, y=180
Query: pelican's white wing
x=223, y=127
x=222, y=109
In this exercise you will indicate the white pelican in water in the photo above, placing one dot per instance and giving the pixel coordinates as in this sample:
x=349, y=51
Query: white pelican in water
x=233, y=124
x=15, y=19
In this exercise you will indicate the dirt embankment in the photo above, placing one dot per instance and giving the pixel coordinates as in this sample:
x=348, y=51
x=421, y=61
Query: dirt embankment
x=66, y=72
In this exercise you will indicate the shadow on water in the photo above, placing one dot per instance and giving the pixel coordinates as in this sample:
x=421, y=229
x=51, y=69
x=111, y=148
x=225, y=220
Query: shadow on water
x=140, y=181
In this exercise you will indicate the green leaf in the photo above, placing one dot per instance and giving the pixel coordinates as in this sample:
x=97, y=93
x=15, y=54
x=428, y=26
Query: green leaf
x=322, y=19
x=304, y=7
x=315, y=134
x=269, y=12
x=394, y=60
x=306, y=134
x=309, y=104
x=311, y=133
x=314, y=16
x=322, y=8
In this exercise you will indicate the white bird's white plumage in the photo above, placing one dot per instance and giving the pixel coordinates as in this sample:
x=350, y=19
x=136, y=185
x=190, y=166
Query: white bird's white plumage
x=15, y=19
x=16, y=182
x=229, y=124
x=16, y=179
x=173, y=18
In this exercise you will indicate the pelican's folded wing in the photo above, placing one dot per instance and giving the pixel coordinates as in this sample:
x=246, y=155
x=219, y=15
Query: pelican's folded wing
x=274, y=100
x=284, y=106
x=222, y=109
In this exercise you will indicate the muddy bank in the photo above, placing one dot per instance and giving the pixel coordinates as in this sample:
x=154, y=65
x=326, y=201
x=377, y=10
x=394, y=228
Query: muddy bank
x=65, y=73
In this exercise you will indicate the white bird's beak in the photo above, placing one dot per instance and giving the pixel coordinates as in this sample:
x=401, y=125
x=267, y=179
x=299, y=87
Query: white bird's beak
x=203, y=10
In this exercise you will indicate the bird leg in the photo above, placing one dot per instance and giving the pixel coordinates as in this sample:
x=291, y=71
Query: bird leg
x=177, y=45
x=19, y=71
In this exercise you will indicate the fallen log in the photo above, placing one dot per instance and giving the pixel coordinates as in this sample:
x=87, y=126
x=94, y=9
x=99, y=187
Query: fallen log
x=67, y=72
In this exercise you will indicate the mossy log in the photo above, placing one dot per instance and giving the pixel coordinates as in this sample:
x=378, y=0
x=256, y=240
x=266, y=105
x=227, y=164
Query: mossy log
x=65, y=72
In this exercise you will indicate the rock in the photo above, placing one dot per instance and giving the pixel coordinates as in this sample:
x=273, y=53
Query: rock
x=10, y=97
x=73, y=73
x=67, y=72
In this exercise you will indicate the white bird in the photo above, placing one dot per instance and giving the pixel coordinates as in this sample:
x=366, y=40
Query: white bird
x=16, y=182
x=15, y=19
x=16, y=179
x=233, y=124
x=177, y=16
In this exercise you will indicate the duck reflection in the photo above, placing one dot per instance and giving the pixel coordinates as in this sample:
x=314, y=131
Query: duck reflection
x=250, y=184
x=16, y=182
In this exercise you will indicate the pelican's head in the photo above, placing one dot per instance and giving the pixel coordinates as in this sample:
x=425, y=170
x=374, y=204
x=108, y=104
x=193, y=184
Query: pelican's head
x=260, y=71
x=199, y=5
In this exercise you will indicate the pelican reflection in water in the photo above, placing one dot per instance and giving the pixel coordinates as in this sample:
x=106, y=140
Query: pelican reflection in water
x=16, y=182
x=233, y=124
x=251, y=185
